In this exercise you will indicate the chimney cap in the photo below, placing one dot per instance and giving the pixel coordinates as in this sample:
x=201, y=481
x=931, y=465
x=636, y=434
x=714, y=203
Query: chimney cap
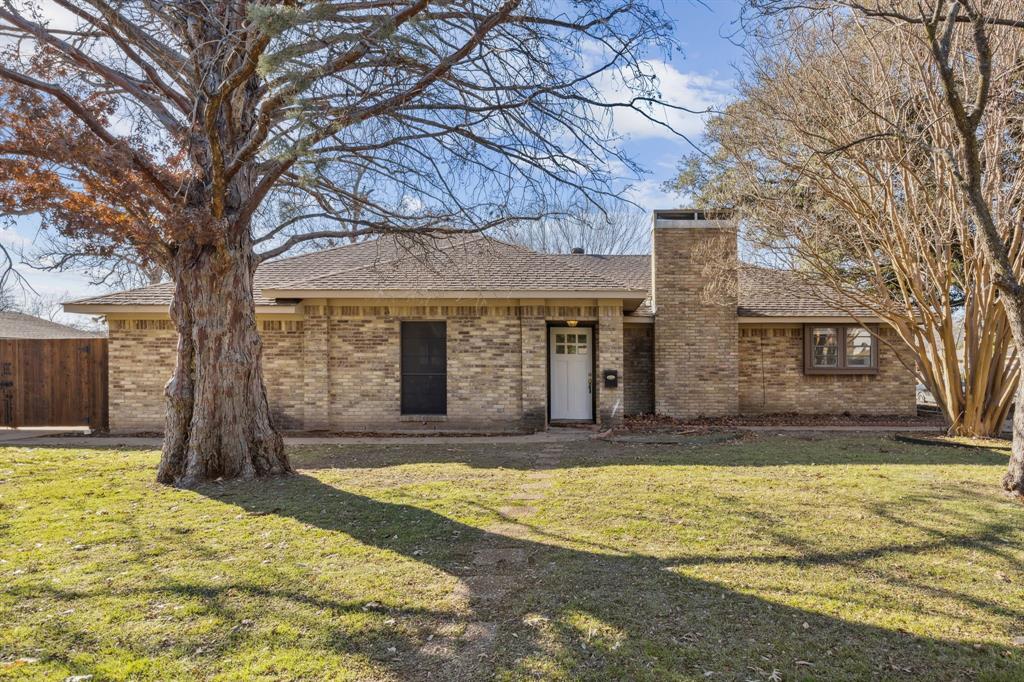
x=578, y=250
x=694, y=214
x=697, y=218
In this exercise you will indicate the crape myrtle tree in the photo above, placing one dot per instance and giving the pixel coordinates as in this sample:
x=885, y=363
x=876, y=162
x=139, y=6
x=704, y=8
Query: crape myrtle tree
x=204, y=137
x=921, y=126
x=832, y=157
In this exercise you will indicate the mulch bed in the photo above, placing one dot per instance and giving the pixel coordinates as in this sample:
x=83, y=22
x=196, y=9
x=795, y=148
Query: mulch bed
x=953, y=442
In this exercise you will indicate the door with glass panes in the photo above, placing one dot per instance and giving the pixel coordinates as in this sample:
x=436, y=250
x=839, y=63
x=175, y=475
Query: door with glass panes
x=571, y=351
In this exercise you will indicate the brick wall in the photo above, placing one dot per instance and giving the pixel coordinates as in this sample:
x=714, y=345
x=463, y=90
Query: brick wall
x=611, y=404
x=638, y=360
x=282, y=370
x=533, y=340
x=695, y=351
x=485, y=370
x=772, y=380
x=484, y=366
x=339, y=366
x=141, y=361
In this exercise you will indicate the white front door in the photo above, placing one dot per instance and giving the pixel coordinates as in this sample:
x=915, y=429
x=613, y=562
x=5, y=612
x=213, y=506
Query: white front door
x=571, y=367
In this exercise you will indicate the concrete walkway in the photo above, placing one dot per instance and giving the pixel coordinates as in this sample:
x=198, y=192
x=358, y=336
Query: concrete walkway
x=77, y=439
x=9, y=435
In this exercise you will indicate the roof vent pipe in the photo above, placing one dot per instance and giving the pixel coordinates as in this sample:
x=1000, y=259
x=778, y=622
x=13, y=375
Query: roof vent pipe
x=578, y=250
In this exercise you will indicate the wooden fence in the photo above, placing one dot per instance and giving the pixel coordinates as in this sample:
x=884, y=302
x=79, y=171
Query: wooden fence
x=53, y=382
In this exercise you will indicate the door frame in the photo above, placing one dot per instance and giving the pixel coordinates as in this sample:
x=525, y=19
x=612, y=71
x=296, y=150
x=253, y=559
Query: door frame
x=592, y=326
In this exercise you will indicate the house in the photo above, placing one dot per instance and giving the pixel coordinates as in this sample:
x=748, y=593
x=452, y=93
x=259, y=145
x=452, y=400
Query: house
x=475, y=333
x=21, y=326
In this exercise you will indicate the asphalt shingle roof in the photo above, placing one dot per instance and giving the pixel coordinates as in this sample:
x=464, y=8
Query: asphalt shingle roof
x=764, y=292
x=22, y=326
x=473, y=265
x=478, y=263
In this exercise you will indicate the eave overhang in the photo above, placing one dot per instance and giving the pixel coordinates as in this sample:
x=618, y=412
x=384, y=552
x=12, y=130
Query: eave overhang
x=125, y=309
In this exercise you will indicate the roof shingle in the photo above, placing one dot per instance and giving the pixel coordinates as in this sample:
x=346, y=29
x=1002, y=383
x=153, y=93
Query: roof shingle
x=477, y=263
x=481, y=264
x=22, y=326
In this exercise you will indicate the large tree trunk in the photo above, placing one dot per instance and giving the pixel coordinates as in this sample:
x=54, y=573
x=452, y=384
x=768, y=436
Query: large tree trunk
x=218, y=420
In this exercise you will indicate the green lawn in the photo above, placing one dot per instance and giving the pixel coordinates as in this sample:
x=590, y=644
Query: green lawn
x=781, y=558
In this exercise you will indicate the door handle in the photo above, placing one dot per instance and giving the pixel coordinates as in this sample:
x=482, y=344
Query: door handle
x=590, y=383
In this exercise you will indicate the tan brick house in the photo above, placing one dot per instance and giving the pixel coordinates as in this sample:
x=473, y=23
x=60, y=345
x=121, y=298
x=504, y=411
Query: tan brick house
x=475, y=333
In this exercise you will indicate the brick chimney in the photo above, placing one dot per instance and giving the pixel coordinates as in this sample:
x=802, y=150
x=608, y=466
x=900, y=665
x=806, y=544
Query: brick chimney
x=696, y=332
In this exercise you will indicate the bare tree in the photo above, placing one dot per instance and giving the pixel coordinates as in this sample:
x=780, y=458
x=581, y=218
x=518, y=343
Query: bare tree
x=7, y=302
x=838, y=156
x=119, y=266
x=616, y=232
x=209, y=135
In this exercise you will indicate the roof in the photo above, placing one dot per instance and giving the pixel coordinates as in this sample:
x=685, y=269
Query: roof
x=22, y=326
x=461, y=264
x=389, y=266
x=765, y=292
x=470, y=265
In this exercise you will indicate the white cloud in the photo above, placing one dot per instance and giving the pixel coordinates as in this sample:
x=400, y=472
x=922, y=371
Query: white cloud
x=56, y=16
x=694, y=91
x=10, y=238
x=650, y=195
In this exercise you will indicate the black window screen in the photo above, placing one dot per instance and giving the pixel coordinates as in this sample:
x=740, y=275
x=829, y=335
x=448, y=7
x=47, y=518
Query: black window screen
x=424, y=368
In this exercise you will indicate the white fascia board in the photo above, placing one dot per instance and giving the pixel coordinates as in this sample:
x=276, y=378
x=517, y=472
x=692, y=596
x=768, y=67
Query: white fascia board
x=807, y=319
x=625, y=294
x=115, y=309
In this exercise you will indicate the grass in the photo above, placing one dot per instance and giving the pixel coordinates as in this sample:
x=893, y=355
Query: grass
x=766, y=558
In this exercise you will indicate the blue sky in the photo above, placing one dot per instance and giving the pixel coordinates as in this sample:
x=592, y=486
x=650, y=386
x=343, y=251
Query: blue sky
x=702, y=74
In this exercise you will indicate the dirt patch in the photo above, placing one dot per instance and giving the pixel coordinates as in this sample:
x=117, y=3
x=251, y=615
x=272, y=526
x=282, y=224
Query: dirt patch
x=499, y=556
x=484, y=588
x=515, y=531
x=518, y=511
x=465, y=656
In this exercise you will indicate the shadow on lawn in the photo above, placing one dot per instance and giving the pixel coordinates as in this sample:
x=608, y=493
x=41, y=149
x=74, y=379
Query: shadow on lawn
x=799, y=451
x=538, y=609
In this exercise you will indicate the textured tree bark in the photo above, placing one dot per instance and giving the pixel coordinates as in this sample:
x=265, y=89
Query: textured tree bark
x=1013, y=481
x=218, y=422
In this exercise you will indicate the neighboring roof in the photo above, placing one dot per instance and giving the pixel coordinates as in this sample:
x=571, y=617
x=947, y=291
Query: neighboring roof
x=22, y=326
x=481, y=264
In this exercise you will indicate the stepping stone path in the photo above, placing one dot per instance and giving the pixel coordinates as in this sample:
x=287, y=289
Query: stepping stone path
x=498, y=569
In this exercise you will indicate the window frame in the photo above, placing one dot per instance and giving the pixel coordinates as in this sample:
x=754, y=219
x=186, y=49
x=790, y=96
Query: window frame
x=404, y=408
x=841, y=336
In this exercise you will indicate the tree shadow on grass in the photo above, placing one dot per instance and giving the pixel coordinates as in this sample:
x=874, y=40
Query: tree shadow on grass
x=543, y=610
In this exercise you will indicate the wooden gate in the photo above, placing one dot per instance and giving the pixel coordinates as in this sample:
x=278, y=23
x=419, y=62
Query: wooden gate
x=53, y=382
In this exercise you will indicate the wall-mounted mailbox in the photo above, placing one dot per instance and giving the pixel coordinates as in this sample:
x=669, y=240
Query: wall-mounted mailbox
x=611, y=378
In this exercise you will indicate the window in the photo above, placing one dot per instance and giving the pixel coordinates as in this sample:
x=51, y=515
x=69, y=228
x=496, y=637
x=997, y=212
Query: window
x=840, y=349
x=424, y=368
x=825, y=347
x=571, y=344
